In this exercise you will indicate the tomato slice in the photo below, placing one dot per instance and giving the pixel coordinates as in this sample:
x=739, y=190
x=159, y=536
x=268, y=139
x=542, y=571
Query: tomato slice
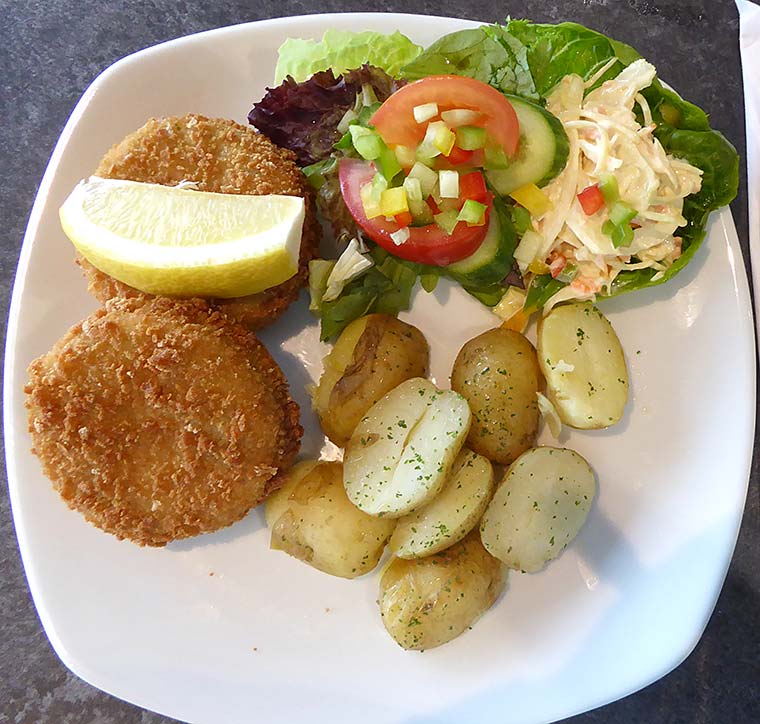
x=426, y=244
x=473, y=186
x=395, y=118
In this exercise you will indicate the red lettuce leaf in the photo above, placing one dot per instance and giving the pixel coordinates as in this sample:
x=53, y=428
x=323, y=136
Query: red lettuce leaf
x=304, y=116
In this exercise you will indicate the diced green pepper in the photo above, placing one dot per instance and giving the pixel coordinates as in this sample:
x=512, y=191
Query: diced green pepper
x=621, y=234
x=608, y=185
x=495, y=158
x=420, y=211
x=367, y=142
x=473, y=213
x=521, y=219
x=447, y=220
x=389, y=165
x=621, y=213
x=471, y=138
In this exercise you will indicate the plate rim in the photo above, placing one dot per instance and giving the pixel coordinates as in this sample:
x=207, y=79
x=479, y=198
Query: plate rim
x=11, y=393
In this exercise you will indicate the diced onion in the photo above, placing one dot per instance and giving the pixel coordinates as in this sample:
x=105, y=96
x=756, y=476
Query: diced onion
x=527, y=249
x=401, y=236
x=426, y=176
x=448, y=182
x=405, y=155
x=461, y=117
x=425, y=112
x=428, y=148
x=348, y=116
x=413, y=189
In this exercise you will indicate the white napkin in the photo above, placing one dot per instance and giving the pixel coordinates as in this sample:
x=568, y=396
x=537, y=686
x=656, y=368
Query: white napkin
x=749, y=44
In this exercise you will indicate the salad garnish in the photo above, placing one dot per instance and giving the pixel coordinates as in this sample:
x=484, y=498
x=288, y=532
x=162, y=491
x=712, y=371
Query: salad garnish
x=540, y=163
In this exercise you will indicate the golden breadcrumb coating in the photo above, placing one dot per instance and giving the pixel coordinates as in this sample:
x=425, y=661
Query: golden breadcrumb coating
x=159, y=419
x=220, y=156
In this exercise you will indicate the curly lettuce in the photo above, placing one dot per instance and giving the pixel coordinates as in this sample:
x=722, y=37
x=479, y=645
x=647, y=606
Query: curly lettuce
x=489, y=54
x=342, y=50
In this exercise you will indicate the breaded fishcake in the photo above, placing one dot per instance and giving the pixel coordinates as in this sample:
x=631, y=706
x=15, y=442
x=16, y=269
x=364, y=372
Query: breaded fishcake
x=220, y=156
x=160, y=419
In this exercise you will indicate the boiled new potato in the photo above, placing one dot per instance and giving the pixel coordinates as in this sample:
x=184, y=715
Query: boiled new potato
x=451, y=515
x=426, y=602
x=402, y=451
x=538, y=508
x=312, y=519
x=498, y=374
x=584, y=366
x=373, y=355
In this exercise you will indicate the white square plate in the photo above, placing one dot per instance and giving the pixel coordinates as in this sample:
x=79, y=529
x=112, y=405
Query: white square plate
x=266, y=638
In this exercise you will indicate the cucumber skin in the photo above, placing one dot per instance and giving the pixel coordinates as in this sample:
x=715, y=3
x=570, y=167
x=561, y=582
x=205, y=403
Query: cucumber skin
x=562, y=150
x=495, y=269
x=561, y=143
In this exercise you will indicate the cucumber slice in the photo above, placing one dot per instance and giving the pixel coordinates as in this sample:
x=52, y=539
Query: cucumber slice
x=492, y=260
x=542, y=152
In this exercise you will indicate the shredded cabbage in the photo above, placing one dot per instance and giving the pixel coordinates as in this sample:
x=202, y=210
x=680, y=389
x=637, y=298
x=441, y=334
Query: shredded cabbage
x=606, y=139
x=351, y=264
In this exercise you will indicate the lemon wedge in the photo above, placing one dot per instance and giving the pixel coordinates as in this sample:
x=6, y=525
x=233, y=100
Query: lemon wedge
x=178, y=242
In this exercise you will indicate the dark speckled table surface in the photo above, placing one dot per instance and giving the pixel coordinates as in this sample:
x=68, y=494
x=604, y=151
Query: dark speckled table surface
x=50, y=51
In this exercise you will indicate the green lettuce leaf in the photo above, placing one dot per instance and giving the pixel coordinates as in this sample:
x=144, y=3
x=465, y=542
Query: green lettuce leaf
x=683, y=129
x=343, y=50
x=542, y=288
x=554, y=51
x=526, y=59
x=488, y=54
x=386, y=287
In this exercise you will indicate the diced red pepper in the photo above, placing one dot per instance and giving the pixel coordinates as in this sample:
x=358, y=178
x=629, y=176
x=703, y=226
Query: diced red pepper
x=473, y=186
x=433, y=206
x=458, y=156
x=556, y=266
x=403, y=219
x=591, y=199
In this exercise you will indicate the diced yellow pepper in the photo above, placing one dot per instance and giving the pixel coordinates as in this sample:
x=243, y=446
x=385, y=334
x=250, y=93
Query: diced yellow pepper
x=517, y=322
x=510, y=309
x=533, y=199
x=393, y=201
x=538, y=267
x=444, y=139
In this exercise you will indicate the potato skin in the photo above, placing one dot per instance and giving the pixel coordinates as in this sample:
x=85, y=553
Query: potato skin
x=426, y=602
x=312, y=519
x=498, y=374
x=373, y=355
